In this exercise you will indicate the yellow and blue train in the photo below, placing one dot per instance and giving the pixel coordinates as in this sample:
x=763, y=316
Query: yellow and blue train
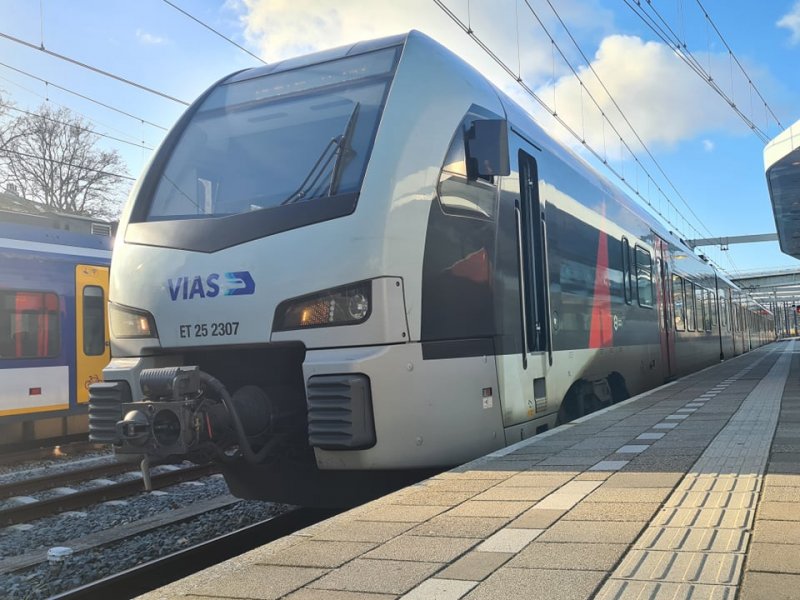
x=53, y=331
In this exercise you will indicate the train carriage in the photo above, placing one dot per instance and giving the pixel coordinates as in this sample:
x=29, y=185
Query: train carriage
x=370, y=261
x=53, y=333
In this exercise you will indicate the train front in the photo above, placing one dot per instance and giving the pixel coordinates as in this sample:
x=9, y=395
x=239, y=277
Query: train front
x=259, y=304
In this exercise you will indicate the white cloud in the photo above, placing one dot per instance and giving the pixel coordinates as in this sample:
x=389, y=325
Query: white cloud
x=791, y=21
x=150, y=39
x=666, y=102
x=662, y=98
x=708, y=145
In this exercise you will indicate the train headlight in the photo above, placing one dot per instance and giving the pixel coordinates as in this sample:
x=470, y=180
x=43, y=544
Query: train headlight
x=130, y=322
x=346, y=305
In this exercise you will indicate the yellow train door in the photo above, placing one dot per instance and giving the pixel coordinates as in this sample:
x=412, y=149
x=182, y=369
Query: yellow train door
x=91, y=327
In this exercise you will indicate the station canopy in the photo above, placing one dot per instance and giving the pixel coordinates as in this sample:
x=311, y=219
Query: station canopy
x=782, y=165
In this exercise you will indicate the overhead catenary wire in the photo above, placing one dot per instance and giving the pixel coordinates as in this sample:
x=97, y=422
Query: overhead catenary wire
x=94, y=69
x=465, y=27
x=738, y=63
x=68, y=164
x=78, y=127
x=211, y=29
x=623, y=115
x=83, y=96
x=683, y=53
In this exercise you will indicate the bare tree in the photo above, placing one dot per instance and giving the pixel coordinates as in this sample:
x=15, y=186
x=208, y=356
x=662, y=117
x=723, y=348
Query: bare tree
x=52, y=158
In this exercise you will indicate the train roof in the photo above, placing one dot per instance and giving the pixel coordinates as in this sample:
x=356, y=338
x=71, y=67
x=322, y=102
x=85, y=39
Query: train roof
x=514, y=112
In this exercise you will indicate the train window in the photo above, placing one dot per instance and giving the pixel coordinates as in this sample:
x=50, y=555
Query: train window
x=626, y=270
x=723, y=309
x=460, y=191
x=677, y=297
x=94, y=322
x=700, y=307
x=29, y=324
x=690, y=312
x=644, y=277
x=712, y=303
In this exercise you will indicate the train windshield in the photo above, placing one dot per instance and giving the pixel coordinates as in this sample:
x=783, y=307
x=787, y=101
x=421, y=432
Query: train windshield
x=291, y=137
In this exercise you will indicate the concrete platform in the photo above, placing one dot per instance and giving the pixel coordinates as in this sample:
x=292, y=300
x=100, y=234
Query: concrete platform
x=689, y=491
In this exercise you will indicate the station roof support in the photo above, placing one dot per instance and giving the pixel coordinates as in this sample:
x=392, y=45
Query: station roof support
x=782, y=166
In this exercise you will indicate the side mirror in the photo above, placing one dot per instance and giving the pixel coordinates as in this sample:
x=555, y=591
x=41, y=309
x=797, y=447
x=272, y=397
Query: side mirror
x=487, y=148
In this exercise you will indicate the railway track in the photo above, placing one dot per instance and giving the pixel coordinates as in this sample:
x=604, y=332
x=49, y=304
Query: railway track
x=42, y=508
x=62, y=448
x=156, y=573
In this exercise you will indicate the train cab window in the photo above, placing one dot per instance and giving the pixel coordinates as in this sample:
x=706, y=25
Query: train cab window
x=677, y=297
x=94, y=322
x=29, y=324
x=644, y=277
x=461, y=191
x=690, y=312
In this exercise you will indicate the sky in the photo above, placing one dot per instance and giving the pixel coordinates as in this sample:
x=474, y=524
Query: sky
x=690, y=143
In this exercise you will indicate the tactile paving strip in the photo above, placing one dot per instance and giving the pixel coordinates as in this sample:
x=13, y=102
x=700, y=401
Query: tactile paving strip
x=695, y=547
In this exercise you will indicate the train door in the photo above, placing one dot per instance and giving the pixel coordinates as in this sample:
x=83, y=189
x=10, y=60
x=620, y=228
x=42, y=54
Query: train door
x=667, y=322
x=91, y=331
x=523, y=376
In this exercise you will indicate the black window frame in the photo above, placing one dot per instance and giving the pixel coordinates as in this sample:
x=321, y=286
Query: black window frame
x=88, y=334
x=680, y=281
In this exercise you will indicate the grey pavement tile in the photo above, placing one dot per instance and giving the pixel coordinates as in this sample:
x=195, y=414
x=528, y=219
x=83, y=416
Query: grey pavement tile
x=313, y=594
x=769, y=586
x=618, y=532
x=609, y=465
x=613, y=511
x=784, y=468
x=509, y=539
x=362, y=531
x=428, y=497
x=569, y=555
x=440, y=589
x=470, y=472
x=776, y=558
x=377, y=576
x=401, y=513
x=537, y=583
x=515, y=493
x=779, y=511
x=625, y=495
x=594, y=476
x=776, y=532
x=782, y=481
x=488, y=508
x=538, y=479
x=449, y=526
x=643, y=480
x=537, y=518
x=584, y=460
x=475, y=565
x=250, y=582
x=420, y=548
x=314, y=553
x=772, y=493
x=458, y=485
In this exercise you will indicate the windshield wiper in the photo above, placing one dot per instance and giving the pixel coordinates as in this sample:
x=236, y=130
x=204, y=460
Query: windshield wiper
x=343, y=150
x=331, y=153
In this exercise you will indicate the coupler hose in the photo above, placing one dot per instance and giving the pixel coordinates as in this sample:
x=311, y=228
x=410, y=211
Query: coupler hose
x=244, y=445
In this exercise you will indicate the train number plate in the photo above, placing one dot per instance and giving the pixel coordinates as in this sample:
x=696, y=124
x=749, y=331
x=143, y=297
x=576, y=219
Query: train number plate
x=204, y=330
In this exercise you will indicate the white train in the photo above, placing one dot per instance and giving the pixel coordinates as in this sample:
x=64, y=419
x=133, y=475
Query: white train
x=370, y=262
